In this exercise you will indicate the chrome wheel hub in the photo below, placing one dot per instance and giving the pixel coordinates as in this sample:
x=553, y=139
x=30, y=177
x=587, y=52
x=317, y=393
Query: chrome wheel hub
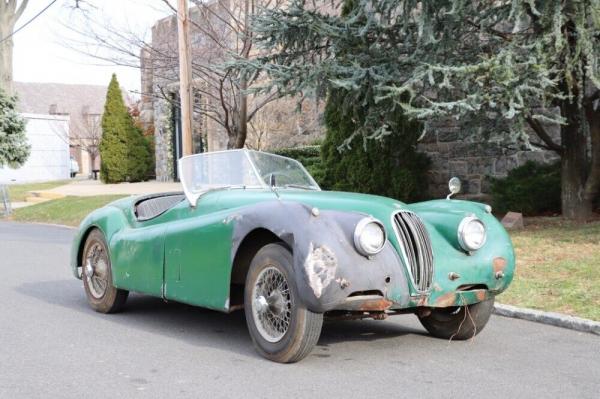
x=271, y=304
x=96, y=270
x=261, y=304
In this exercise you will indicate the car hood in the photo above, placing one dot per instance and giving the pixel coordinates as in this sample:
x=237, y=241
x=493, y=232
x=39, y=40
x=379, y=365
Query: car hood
x=341, y=200
x=327, y=200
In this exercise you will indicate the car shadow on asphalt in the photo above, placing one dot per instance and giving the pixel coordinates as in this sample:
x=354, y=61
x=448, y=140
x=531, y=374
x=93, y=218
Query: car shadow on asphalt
x=200, y=326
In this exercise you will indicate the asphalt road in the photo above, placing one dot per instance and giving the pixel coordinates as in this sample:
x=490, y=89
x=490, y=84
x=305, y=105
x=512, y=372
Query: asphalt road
x=53, y=346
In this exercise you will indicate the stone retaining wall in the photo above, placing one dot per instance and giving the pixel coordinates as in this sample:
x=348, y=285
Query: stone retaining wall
x=454, y=153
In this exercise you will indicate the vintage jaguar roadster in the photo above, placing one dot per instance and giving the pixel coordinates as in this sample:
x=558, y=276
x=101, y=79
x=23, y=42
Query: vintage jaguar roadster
x=254, y=231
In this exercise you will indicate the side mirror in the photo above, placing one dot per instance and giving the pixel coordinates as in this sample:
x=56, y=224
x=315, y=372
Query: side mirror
x=454, y=186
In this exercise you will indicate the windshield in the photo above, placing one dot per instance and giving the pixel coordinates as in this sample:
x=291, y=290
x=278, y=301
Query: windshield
x=241, y=169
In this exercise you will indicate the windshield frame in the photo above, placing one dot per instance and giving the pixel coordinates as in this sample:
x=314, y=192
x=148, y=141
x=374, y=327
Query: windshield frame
x=193, y=195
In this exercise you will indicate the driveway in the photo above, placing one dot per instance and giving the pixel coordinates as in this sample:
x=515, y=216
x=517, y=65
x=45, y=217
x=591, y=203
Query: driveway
x=53, y=346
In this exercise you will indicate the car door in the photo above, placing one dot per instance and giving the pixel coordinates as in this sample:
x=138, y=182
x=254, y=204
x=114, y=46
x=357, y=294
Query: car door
x=138, y=258
x=198, y=259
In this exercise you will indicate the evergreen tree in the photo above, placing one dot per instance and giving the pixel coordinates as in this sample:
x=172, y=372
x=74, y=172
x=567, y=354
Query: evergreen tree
x=139, y=159
x=388, y=166
x=504, y=67
x=124, y=151
x=14, y=148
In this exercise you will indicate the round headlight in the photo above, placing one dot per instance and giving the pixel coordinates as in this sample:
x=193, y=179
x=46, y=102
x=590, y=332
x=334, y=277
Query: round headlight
x=471, y=233
x=369, y=236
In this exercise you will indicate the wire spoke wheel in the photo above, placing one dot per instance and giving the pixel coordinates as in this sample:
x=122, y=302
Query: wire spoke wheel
x=101, y=294
x=271, y=304
x=281, y=327
x=96, y=270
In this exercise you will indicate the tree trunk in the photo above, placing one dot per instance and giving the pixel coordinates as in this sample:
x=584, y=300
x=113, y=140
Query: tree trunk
x=592, y=187
x=93, y=163
x=243, y=115
x=233, y=130
x=6, y=55
x=575, y=204
x=239, y=118
x=9, y=14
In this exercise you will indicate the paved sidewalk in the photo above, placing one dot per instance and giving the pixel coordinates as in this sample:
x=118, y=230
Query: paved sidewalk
x=91, y=188
x=20, y=204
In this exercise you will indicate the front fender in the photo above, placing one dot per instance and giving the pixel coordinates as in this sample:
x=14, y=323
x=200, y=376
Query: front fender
x=327, y=267
x=493, y=265
x=108, y=219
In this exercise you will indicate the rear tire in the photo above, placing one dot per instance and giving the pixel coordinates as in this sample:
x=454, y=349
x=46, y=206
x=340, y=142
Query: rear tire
x=458, y=323
x=101, y=294
x=281, y=327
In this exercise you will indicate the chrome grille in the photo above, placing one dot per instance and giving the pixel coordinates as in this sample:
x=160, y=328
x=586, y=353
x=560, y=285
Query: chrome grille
x=416, y=247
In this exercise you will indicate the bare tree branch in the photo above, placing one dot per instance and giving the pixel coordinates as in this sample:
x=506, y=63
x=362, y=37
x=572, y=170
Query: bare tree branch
x=220, y=31
x=21, y=8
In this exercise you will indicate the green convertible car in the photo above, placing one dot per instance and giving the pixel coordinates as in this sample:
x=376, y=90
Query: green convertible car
x=253, y=231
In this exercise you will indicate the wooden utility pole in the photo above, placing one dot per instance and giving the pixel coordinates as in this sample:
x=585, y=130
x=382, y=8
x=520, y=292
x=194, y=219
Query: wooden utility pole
x=185, y=76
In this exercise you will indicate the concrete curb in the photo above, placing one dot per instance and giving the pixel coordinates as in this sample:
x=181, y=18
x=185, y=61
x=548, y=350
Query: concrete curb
x=64, y=226
x=550, y=318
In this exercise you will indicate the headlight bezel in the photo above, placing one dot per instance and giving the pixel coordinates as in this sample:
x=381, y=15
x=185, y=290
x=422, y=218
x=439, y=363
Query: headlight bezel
x=358, y=231
x=462, y=230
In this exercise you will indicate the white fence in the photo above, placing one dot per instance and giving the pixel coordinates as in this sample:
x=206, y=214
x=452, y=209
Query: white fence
x=48, y=136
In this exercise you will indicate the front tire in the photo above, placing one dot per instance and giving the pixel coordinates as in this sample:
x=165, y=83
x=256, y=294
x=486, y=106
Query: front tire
x=459, y=323
x=282, y=328
x=101, y=294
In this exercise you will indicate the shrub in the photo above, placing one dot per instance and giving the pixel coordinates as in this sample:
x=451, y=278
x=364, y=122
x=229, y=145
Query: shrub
x=390, y=167
x=532, y=189
x=150, y=143
x=124, y=151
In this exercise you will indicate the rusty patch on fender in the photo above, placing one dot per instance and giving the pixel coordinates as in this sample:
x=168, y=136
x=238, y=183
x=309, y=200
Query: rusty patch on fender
x=480, y=294
x=423, y=300
x=375, y=305
x=498, y=264
x=446, y=300
x=320, y=266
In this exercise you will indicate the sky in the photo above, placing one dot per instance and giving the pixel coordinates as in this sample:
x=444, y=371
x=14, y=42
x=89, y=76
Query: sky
x=40, y=53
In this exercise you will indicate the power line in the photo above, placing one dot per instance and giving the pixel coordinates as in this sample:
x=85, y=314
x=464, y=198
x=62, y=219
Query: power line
x=28, y=22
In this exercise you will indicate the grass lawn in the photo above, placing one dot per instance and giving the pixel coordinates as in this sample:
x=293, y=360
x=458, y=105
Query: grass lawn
x=68, y=211
x=558, y=267
x=18, y=192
